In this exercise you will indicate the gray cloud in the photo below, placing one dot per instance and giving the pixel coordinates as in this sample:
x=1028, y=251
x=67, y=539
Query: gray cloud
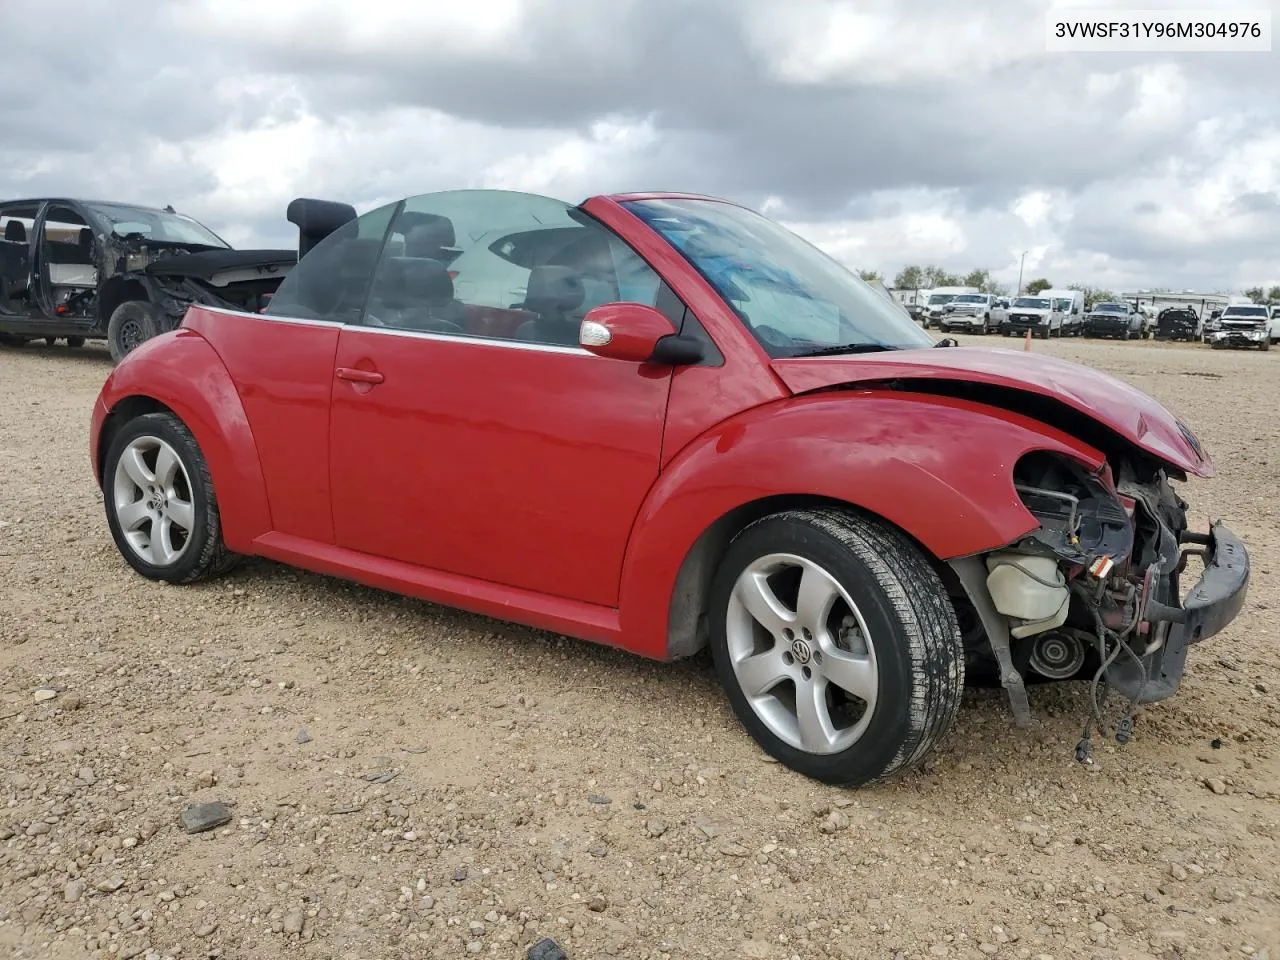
x=961, y=114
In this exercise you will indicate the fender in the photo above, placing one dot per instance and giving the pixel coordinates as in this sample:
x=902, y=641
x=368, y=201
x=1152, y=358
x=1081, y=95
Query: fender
x=939, y=468
x=183, y=373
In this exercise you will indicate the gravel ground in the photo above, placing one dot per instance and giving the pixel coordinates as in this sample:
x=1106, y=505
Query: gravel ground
x=408, y=781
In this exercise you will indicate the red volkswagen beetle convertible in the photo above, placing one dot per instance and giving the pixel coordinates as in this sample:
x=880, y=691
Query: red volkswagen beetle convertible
x=664, y=422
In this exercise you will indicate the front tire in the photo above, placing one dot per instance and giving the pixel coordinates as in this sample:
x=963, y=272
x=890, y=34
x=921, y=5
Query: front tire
x=131, y=324
x=160, y=502
x=836, y=644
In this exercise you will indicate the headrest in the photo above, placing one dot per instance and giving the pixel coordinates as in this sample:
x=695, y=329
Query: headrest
x=85, y=237
x=554, y=288
x=426, y=233
x=15, y=230
x=425, y=280
x=316, y=219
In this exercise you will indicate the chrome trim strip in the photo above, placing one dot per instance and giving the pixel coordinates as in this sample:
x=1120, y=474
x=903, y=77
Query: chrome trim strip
x=415, y=334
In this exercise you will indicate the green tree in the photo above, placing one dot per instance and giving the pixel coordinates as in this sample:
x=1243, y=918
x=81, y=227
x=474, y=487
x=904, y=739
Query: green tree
x=1037, y=285
x=1273, y=295
x=1092, y=295
x=935, y=276
x=870, y=275
x=1255, y=294
x=909, y=278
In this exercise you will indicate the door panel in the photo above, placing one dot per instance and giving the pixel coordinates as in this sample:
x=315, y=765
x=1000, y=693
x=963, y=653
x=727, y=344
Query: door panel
x=283, y=371
x=523, y=465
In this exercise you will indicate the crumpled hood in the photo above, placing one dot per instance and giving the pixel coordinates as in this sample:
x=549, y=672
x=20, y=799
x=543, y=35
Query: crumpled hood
x=1128, y=411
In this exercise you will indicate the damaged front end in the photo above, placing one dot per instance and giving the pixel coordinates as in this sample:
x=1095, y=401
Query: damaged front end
x=175, y=276
x=1095, y=589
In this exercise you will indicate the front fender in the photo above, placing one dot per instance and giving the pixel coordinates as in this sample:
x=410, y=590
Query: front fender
x=182, y=371
x=939, y=468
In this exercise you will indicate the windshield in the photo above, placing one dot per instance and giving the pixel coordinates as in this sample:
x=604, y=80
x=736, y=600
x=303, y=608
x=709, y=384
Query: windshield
x=793, y=298
x=1111, y=308
x=156, y=225
x=1244, y=312
x=938, y=299
x=970, y=298
x=1033, y=303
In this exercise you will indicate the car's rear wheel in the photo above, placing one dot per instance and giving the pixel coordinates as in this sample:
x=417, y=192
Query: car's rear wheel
x=131, y=324
x=160, y=501
x=836, y=644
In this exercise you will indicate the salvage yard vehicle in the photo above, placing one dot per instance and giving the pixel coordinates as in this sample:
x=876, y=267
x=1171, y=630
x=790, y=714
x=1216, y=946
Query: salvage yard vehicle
x=1071, y=303
x=974, y=312
x=940, y=299
x=1245, y=325
x=1040, y=315
x=687, y=429
x=1115, y=319
x=1177, y=323
x=77, y=270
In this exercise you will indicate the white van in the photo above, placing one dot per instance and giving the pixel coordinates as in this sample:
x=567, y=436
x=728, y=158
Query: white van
x=1072, y=310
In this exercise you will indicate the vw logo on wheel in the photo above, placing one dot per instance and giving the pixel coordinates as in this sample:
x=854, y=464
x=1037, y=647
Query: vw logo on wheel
x=800, y=650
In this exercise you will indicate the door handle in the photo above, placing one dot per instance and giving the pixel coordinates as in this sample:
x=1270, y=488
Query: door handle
x=359, y=376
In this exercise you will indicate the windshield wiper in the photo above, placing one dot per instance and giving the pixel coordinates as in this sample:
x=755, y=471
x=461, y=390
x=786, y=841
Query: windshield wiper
x=846, y=348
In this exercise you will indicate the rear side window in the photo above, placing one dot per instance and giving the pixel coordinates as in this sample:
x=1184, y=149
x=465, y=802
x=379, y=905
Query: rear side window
x=331, y=283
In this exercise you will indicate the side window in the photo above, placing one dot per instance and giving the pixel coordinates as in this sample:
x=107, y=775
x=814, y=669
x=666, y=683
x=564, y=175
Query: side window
x=17, y=226
x=331, y=281
x=500, y=265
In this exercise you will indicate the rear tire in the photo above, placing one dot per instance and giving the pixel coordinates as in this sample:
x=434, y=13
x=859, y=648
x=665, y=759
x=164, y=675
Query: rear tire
x=160, y=502
x=132, y=324
x=875, y=644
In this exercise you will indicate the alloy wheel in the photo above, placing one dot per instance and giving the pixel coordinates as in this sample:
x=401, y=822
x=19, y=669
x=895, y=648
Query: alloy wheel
x=151, y=495
x=801, y=654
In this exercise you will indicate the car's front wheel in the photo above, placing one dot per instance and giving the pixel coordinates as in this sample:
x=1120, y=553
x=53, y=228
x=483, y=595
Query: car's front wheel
x=160, y=501
x=836, y=643
x=131, y=324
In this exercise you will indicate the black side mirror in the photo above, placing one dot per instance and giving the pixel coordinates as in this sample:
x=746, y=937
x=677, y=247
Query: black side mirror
x=678, y=351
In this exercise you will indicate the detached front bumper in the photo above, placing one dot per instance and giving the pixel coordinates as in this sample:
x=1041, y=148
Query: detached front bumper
x=1212, y=604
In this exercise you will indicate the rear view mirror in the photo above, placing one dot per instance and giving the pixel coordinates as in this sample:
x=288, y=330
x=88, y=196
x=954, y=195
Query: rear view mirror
x=637, y=333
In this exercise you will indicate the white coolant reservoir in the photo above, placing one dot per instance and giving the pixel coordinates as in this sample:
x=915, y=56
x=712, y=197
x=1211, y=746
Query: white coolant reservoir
x=1029, y=590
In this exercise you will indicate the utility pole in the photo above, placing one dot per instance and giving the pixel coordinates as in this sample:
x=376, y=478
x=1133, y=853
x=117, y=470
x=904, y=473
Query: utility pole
x=1020, y=263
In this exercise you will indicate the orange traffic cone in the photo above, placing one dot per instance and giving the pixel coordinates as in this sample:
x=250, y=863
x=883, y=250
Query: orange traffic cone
x=1026, y=344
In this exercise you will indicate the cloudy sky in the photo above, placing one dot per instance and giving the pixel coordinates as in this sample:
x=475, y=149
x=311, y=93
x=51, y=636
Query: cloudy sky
x=887, y=131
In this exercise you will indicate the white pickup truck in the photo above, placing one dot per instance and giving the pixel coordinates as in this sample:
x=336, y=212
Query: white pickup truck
x=1038, y=314
x=973, y=312
x=1245, y=325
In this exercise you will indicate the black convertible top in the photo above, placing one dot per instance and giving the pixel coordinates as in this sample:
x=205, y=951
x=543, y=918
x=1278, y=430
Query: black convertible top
x=205, y=263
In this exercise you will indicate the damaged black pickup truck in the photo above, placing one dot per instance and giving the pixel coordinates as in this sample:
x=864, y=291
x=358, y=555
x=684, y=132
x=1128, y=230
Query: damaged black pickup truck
x=78, y=270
